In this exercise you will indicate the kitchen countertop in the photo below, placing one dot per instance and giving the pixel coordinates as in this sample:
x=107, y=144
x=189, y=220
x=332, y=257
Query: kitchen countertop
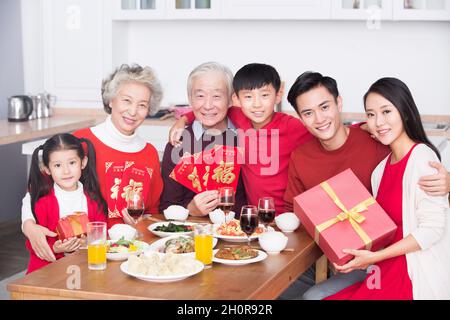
x=13, y=132
x=68, y=120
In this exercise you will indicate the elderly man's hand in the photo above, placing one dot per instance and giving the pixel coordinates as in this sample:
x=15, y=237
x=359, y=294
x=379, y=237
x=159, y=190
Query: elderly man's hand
x=437, y=184
x=203, y=203
x=176, y=131
x=37, y=235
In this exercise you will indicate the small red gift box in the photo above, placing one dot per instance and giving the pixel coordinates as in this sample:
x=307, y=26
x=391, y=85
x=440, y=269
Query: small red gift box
x=341, y=214
x=73, y=225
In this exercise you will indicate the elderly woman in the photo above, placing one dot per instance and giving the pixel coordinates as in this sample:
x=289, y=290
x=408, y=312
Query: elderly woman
x=125, y=162
x=209, y=88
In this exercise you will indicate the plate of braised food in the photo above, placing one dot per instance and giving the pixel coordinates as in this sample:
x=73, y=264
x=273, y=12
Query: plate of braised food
x=238, y=255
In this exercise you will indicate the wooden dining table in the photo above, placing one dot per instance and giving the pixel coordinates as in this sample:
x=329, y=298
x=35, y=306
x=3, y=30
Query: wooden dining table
x=70, y=278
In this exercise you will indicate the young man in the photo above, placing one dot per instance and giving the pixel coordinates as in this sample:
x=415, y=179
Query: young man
x=268, y=137
x=334, y=149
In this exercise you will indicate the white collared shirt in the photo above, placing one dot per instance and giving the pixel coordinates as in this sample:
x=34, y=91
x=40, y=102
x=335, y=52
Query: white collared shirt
x=198, y=129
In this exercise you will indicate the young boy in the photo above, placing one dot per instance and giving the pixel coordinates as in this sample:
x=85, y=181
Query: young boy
x=268, y=137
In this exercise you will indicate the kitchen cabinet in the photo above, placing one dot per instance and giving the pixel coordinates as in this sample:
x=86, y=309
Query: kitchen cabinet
x=74, y=36
x=222, y=9
x=193, y=9
x=166, y=9
x=138, y=9
x=277, y=9
x=369, y=10
x=422, y=10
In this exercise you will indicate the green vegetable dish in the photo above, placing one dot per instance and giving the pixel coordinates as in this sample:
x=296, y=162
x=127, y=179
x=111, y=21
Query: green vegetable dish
x=171, y=227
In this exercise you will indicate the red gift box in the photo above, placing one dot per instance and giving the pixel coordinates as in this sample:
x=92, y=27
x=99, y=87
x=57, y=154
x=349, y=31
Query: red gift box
x=341, y=214
x=74, y=225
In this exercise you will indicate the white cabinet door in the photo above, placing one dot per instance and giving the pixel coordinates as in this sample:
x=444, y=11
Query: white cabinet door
x=194, y=9
x=422, y=10
x=277, y=9
x=138, y=9
x=73, y=49
x=361, y=10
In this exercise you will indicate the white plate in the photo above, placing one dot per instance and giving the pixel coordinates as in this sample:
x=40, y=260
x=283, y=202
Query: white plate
x=158, y=246
x=236, y=238
x=199, y=268
x=163, y=234
x=261, y=256
x=120, y=256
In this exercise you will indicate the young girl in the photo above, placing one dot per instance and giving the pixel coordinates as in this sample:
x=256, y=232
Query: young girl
x=416, y=264
x=67, y=183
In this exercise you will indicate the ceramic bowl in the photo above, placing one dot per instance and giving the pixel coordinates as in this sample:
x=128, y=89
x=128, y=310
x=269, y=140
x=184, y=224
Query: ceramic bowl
x=273, y=242
x=122, y=230
x=287, y=222
x=178, y=213
x=218, y=216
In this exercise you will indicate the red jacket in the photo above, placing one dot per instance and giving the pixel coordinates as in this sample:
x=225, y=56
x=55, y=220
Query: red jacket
x=47, y=213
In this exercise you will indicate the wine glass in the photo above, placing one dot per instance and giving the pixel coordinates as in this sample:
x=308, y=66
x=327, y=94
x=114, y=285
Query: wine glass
x=136, y=207
x=226, y=199
x=249, y=220
x=266, y=210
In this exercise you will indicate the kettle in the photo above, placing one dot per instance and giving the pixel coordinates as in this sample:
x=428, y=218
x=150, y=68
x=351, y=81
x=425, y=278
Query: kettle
x=19, y=108
x=42, y=106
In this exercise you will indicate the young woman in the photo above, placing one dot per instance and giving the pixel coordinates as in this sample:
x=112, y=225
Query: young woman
x=73, y=187
x=416, y=264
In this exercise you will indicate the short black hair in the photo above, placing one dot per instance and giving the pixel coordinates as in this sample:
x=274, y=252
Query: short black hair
x=310, y=80
x=255, y=76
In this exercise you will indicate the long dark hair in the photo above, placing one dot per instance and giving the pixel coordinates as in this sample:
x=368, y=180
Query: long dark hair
x=38, y=183
x=397, y=92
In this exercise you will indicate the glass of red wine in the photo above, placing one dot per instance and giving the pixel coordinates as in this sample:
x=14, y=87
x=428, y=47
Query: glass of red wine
x=266, y=210
x=249, y=220
x=226, y=199
x=135, y=206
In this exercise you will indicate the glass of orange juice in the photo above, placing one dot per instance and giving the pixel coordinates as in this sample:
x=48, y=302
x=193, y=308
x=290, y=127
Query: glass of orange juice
x=203, y=241
x=96, y=237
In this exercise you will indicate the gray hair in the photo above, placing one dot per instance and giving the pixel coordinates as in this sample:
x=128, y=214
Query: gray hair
x=211, y=67
x=133, y=73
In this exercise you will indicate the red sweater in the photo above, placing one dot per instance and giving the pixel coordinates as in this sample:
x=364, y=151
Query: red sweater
x=267, y=153
x=311, y=164
x=111, y=167
x=47, y=213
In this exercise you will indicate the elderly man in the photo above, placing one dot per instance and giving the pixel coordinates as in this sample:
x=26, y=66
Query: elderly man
x=209, y=89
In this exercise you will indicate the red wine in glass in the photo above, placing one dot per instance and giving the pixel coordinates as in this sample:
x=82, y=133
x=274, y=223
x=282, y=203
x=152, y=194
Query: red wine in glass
x=135, y=213
x=249, y=223
x=226, y=199
x=226, y=207
x=266, y=210
x=249, y=220
x=266, y=215
x=135, y=205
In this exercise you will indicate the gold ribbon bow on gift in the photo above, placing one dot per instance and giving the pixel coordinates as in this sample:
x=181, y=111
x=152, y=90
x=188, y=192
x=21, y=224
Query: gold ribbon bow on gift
x=353, y=215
